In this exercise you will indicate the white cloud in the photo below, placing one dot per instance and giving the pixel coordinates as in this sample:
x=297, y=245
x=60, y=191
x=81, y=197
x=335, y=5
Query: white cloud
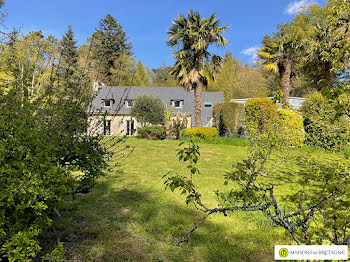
x=251, y=51
x=297, y=6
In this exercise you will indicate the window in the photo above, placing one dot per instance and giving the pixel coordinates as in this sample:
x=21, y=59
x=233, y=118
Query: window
x=106, y=127
x=177, y=103
x=108, y=102
x=209, y=119
x=130, y=127
x=128, y=103
x=207, y=104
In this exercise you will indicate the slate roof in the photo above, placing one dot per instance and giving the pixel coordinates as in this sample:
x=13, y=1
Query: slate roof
x=166, y=94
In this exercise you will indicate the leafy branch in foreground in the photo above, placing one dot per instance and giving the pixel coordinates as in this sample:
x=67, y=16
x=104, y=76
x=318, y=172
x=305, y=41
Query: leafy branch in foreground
x=315, y=213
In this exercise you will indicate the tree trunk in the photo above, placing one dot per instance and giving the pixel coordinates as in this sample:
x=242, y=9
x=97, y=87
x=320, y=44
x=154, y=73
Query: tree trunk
x=285, y=75
x=168, y=125
x=198, y=103
x=329, y=75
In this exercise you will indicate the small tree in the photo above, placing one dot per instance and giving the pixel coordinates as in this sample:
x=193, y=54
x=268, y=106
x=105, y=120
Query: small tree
x=179, y=123
x=168, y=124
x=148, y=109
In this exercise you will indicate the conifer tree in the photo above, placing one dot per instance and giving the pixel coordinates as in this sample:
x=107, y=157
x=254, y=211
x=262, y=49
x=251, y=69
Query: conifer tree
x=69, y=57
x=142, y=75
x=109, y=42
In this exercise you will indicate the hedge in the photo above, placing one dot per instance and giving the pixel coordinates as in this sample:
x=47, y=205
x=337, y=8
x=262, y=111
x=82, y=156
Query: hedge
x=291, y=128
x=228, y=118
x=261, y=114
x=279, y=126
x=151, y=132
x=203, y=132
x=323, y=127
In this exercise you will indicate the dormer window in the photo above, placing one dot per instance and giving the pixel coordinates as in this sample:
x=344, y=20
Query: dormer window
x=177, y=103
x=108, y=102
x=207, y=104
x=129, y=103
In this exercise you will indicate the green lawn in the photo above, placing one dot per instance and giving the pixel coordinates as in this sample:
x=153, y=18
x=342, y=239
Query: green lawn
x=130, y=217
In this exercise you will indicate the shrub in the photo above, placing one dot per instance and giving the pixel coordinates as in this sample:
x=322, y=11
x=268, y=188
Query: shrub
x=323, y=125
x=261, y=114
x=291, y=129
x=228, y=118
x=203, y=132
x=42, y=148
x=152, y=132
x=280, y=127
x=317, y=107
x=148, y=109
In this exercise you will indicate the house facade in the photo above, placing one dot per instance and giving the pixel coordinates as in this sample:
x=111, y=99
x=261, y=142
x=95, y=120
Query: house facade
x=109, y=112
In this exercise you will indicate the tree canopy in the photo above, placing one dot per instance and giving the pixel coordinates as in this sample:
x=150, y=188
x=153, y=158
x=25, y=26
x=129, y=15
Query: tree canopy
x=148, y=109
x=192, y=35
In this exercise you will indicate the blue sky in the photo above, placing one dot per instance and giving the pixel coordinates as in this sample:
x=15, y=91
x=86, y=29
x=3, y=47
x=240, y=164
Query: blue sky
x=146, y=21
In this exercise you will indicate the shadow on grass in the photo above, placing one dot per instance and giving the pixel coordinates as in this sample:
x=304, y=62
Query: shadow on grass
x=121, y=222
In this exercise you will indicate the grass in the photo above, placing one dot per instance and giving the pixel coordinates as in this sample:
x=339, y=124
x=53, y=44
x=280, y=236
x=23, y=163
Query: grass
x=233, y=141
x=130, y=217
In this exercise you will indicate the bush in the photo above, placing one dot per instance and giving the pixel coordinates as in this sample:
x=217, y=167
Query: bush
x=228, y=118
x=152, y=132
x=291, y=128
x=279, y=126
x=203, y=132
x=42, y=148
x=323, y=125
x=317, y=107
x=261, y=114
x=148, y=109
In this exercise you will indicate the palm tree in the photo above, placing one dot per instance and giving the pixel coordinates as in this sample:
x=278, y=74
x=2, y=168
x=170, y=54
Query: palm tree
x=191, y=36
x=279, y=53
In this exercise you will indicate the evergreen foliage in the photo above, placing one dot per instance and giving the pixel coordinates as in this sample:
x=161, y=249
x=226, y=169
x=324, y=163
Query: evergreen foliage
x=202, y=132
x=228, y=118
x=123, y=71
x=108, y=43
x=69, y=56
x=142, y=75
x=151, y=132
x=325, y=128
x=192, y=36
x=162, y=77
x=148, y=109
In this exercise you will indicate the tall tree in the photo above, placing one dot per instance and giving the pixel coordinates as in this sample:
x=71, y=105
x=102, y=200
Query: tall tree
x=69, y=57
x=162, y=76
x=278, y=54
x=193, y=35
x=123, y=71
x=108, y=42
x=237, y=80
x=142, y=75
x=30, y=60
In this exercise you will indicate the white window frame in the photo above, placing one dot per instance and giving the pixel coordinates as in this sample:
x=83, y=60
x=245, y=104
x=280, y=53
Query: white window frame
x=172, y=103
x=127, y=103
x=111, y=101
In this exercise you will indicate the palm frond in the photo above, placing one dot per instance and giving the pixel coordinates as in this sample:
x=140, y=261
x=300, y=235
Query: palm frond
x=271, y=67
